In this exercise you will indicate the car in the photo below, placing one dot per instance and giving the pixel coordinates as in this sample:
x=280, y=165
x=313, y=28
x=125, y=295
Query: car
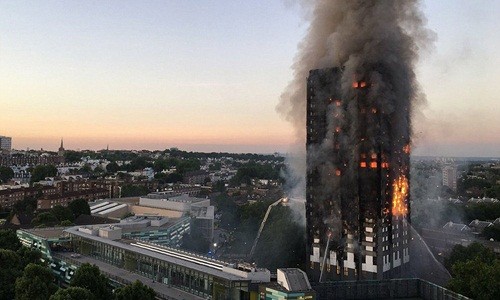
x=75, y=255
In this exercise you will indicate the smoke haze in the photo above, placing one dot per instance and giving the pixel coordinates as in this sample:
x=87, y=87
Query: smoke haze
x=360, y=36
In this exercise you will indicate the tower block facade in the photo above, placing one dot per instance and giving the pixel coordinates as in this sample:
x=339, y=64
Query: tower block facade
x=357, y=196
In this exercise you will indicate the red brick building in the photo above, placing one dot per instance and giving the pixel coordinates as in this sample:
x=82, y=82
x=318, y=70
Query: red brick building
x=49, y=201
x=9, y=197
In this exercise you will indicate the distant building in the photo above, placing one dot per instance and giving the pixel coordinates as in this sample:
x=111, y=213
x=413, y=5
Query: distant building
x=9, y=197
x=196, y=177
x=456, y=227
x=63, y=199
x=450, y=177
x=5, y=144
x=61, y=151
x=478, y=226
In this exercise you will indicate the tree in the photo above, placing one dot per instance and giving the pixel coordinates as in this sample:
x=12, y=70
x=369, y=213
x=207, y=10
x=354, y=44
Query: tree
x=135, y=291
x=10, y=269
x=6, y=174
x=471, y=252
x=188, y=165
x=476, y=279
x=219, y=186
x=72, y=293
x=29, y=256
x=9, y=240
x=27, y=206
x=72, y=156
x=89, y=277
x=112, y=167
x=42, y=171
x=492, y=232
x=160, y=165
x=79, y=207
x=66, y=223
x=62, y=213
x=37, y=282
x=134, y=190
x=44, y=219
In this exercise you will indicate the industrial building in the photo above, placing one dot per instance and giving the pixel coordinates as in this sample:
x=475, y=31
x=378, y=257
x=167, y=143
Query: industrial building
x=196, y=275
x=357, y=200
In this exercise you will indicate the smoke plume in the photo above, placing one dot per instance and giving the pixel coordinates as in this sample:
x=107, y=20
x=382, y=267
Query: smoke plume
x=376, y=41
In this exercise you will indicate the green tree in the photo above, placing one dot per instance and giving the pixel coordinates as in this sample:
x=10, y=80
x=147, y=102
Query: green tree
x=188, y=165
x=42, y=171
x=89, y=277
x=26, y=206
x=37, y=282
x=62, y=213
x=160, y=165
x=29, y=256
x=135, y=291
x=66, y=223
x=79, y=207
x=6, y=174
x=219, y=186
x=44, y=219
x=10, y=269
x=476, y=279
x=9, y=240
x=112, y=167
x=134, y=190
x=492, y=232
x=471, y=252
x=72, y=156
x=72, y=293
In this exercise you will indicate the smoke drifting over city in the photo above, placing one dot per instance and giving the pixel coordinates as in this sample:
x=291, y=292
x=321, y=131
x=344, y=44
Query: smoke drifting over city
x=376, y=43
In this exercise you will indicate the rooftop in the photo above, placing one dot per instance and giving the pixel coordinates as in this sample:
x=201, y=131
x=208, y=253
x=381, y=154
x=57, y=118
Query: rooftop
x=196, y=262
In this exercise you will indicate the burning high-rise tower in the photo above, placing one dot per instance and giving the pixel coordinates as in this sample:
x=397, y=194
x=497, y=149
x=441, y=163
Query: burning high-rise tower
x=357, y=197
x=354, y=115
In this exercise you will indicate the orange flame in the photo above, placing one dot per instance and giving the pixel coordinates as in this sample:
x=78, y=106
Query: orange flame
x=406, y=149
x=400, y=188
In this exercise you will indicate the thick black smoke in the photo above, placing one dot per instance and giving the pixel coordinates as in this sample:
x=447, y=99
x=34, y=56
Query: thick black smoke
x=374, y=41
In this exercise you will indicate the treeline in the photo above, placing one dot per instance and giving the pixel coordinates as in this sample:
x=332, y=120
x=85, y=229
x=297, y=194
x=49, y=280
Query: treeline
x=127, y=155
x=24, y=276
x=58, y=215
x=253, y=170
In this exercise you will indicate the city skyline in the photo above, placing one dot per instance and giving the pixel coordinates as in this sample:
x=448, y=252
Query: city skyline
x=208, y=76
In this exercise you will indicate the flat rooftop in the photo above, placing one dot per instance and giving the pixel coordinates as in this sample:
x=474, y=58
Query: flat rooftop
x=48, y=233
x=193, y=262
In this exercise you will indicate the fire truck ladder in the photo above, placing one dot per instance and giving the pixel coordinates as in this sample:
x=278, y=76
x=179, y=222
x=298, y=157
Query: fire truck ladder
x=282, y=200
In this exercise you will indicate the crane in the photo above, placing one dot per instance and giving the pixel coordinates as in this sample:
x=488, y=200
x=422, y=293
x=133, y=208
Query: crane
x=263, y=223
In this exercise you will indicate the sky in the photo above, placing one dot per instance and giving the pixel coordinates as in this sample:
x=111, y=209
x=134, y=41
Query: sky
x=207, y=75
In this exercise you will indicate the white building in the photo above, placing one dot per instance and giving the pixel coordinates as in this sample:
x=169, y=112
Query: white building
x=450, y=177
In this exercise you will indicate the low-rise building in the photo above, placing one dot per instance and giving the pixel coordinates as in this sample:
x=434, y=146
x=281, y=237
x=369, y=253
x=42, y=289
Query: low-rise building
x=9, y=197
x=199, y=276
x=63, y=199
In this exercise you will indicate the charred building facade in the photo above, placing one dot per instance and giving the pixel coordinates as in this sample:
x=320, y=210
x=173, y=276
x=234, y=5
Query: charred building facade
x=357, y=196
